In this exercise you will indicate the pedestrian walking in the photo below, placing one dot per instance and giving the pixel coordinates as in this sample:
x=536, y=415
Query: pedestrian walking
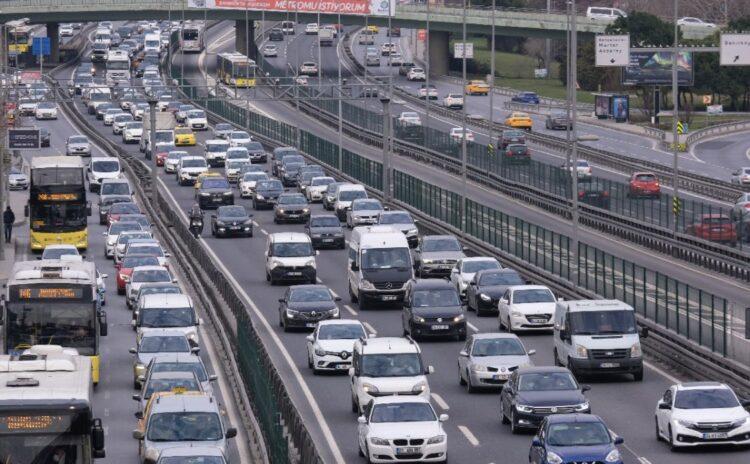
x=8, y=219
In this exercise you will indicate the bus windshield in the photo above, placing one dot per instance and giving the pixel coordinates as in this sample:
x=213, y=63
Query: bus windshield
x=119, y=65
x=70, y=324
x=63, y=217
x=190, y=34
x=57, y=176
x=64, y=439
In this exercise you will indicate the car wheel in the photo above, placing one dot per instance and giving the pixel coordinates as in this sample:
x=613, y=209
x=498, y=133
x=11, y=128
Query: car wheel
x=136, y=385
x=503, y=417
x=508, y=326
x=461, y=380
x=672, y=446
x=355, y=407
x=638, y=376
x=469, y=387
x=656, y=430
x=573, y=370
x=514, y=429
x=309, y=360
x=556, y=359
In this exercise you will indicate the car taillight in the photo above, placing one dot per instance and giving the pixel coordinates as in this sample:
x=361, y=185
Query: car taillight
x=580, y=194
x=747, y=205
x=509, y=153
x=605, y=193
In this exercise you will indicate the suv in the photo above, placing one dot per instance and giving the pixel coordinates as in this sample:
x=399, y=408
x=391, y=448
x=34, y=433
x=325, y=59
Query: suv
x=189, y=168
x=387, y=366
x=433, y=307
x=291, y=257
x=345, y=194
x=436, y=255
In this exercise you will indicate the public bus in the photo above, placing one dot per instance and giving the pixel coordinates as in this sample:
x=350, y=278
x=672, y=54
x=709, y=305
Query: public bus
x=46, y=408
x=54, y=302
x=118, y=66
x=19, y=38
x=57, y=209
x=235, y=69
x=192, y=37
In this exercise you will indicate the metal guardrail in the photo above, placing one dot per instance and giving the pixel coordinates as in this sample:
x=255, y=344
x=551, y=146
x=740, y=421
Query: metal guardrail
x=727, y=128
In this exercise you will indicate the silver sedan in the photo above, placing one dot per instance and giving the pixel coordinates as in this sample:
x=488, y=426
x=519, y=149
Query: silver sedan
x=488, y=359
x=78, y=145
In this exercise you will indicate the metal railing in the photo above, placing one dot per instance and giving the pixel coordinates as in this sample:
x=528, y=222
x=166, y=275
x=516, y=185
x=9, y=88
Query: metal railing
x=728, y=128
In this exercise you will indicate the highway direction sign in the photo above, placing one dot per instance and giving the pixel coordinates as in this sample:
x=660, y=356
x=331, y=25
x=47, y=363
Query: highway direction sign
x=612, y=50
x=735, y=50
x=458, y=50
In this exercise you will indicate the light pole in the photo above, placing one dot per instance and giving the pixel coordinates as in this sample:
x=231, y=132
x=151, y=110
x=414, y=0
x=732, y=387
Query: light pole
x=386, y=101
x=463, y=118
x=341, y=95
x=152, y=147
x=675, y=117
x=493, y=150
x=573, y=98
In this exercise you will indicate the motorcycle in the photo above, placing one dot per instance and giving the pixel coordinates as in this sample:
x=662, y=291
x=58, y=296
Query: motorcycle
x=196, y=227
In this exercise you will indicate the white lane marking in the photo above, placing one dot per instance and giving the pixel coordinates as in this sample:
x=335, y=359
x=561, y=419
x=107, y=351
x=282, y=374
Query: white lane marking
x=440, y=401
x=317, y=279
x=644, y=460
x=661, y=372
x=472, y=327
x=351, y=310
x=747, y=154
x=469, y=436
x=319, y=416
x=370, y=328
x=263, y=231
x=335, y=295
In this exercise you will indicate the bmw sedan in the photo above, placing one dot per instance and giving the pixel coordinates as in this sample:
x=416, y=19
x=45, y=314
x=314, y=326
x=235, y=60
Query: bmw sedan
x=303, y=306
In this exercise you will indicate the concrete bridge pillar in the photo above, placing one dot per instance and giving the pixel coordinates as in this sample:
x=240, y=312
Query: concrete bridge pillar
x=242, y=31
x=438, y=53
x=53, y=32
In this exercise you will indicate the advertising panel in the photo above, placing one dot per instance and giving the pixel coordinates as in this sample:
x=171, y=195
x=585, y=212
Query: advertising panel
x=620, y=110
x=345, y=7
x=655, y=68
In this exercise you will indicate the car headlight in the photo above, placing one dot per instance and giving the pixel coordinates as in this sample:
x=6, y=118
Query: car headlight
x=486, y=298
x=310, y=263
x=524, y=408
x=379, y=441
x=479, y=368
x=581, y=352
x=687, y=424
x=427, y=261
x=458, y=318
x=291, y=312
x=275, y=263
x=420, y=387
x=205, y=194
x=516, y=314
x=636, y=351
x=369, y=388
x=582, y=407
x=140, y=368
x=412, y=231
x=259, y=197
x=280, y=211
x=366, y=285
x=553, y=458
x=220, y=223
x=227, y=193
x=319, y=351
x=418, y=319
x=741, y=422
x=436, y=439
x=613, y=456
x=305, y=210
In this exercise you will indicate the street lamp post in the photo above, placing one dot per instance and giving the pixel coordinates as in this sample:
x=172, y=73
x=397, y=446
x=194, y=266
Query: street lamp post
x=387, y=191
x=573, y=167
x=675, y=116
x=463, y=121
x=152, y=147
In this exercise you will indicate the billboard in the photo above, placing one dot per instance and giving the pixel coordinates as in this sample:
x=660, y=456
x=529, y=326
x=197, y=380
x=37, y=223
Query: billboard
x=655, y=68
x=345, y=7
x=24, y=139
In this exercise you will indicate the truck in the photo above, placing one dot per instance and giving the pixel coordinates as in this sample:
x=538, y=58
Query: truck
x=325, y=35
x=164, y=123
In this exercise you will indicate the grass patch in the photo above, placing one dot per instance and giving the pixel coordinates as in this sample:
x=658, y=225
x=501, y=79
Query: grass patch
x=551, y=88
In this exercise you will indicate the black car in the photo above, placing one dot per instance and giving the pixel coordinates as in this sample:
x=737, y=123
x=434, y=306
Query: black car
x=214, y=192
x=558, y=120
x=405, y=67
x=516, y=153
x=486, y=288
x=432, y=308
x=325, y=231
x=288, y=173
x=329, y=196
x=511, y=136
x=44, y=137
x=267, y=193
x=257, y=152
x=594, y=195
x=370, y=92
x=231, y=220
x=282, y=152
x=102, y=108
x=533, y=393
x=276, y=35
x=291, y=207
x=304, y=305
x=106, y=202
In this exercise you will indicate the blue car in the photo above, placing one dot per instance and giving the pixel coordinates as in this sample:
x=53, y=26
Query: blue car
x=526, y=97
x=567, y=438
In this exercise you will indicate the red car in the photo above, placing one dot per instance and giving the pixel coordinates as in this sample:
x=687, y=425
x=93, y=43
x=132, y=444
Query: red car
x=118, y=209
x=644, y=184
x=162, y=151
x=125, y=268
x=714, y=227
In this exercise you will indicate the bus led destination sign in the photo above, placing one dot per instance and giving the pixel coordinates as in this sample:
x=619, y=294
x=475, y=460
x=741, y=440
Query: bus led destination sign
x=49, y=293
x=57, y=196
x=35, y=423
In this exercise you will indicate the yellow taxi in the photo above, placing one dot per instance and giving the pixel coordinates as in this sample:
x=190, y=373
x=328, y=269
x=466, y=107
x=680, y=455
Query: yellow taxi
x=477, y=88
x=184, y=136
x=519, y=120
x=202, y=176
x=373, y=29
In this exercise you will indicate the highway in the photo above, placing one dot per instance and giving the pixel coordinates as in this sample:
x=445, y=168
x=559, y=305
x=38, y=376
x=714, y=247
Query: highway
x=474, y=429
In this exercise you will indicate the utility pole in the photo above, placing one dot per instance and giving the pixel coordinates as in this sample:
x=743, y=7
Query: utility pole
x=675, y=118
x=547, y=43
x=463, y=117
x=492, y=151
x=574, y=136
x=387, y=190
x=152, y=146
x=3, y=129
x=341, y=96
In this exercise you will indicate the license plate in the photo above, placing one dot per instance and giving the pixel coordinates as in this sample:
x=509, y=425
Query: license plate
x=293, y=215
x=295, y=273
x=310, y=325
x=235, y=228
x=408, y=450
x=500, y=376
x=216, y=200
x=608, y=365
x=439, y=327
x=715, y=435
x=446, y=266
x=327, y=240
x=389, y=297
x=537, y=321
x=342, y=366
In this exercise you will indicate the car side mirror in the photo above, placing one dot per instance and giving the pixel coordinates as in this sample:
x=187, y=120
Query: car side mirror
x=531, y=352
x=463, y=353
x=136, y=397
x=281, y=300
x=644, y=332
x=104, y=276
x=167, y=255
x=338, y=298
x=354, y=266
x=430, y=370
x=560, y=299
x=443, y=417
x=664, y=406
x=619, y=440
x=585, y=388
x=317, y=252
x=362, y=420
x=231, y=432
x=351, y=372
x=195, y=349
x=213, y=378
x=132, y=351
x=104, y=234
x=536, y=442
x=454, y=270
x=138, y=434
x=310, y=338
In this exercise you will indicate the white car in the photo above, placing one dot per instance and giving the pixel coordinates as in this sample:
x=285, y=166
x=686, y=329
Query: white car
x=428, y=92
x=409, y=118
x=396, y=59
x=239, y=138
x=270, y=51
x=402, y=429
x=145, y=274
x=695, y=414
x=526, y=307
x=330, y=346
x=120, y=121
x=416, y=74
x=308, y=68
x=109, y=115
x=583, y=169
x=78, y=145
x=454, y=101
x=66, y=30
x=695, y=22
x=173, y=159
x=189, y=168
x=311, y=29
x=138, y=110
x=113, y=233
x=132, y=132
x=457, y=134
x=301, y=80
x=248, y=182
x=317, y=188
x=196, y=120
x=216, y=151
x=45, y=110
x=58, y=251
x=466, y=269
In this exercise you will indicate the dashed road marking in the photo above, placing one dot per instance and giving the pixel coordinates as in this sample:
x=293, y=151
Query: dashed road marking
x=440, y=401
x=472, y=327
x=469, y=436
x=370, y=328
x=351, y=310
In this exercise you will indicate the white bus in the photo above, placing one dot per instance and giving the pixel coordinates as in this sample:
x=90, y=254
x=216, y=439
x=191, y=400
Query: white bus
x=192, y=37
x=118, y=66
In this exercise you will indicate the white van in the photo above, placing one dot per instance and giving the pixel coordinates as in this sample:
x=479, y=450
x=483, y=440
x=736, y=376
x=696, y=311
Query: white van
x=290, y=257
x=175, y=311
x=387, y=366
x=380, y=265
x=344, y=196
x=598, y=336
x=100, y=168
x=152, y=43
x=600, y=13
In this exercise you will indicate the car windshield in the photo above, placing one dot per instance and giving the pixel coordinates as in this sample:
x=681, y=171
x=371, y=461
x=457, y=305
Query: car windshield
x=341, y=332
x=167, y=317
x=168, y=385
x=254, y=146
x=292, y=200
x=602, y=322
x=396, y=218
x=122, y=226
x=238, y=153
x=349, y=195
x=124, y=208
x=216, y=147
x=546, y=381
x=131, y=262
x=476, y=266
x=166, y=289
x=78, y=139
x=717, y=220
x=196, y=114
x=441, y=244
x=240, y=135
x=291, y=250
x=374, y=259
x=270, y=185
x=366, y=205
x=125, y=238
x=500, y=278
x=410, y=115
x=391, y=365
x=134, y=125
x=215, y=183
x=109, y=201
x=175, y=155
x=194, y=163
x=578, y=434
x=164, y=344
x=236, y=164
x=105, y=166
x=307, y=295
x=435, y=297
x=115, y=188
x=402, y=412
x=321, y=181
x=185, y=426
x=538, y=295
x=152, y=275
x=232, y=211
x=497, y=347
x=56, y=253
x=325, y=221
x=704, y=398
x=223, y=127
x=151, y=250
x=254, y=176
